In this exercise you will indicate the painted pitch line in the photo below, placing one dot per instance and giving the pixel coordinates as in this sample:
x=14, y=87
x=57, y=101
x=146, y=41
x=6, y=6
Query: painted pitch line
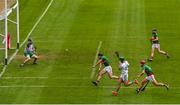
x=35, y=25
x=44, y=86
x=70, y=78
x=95, y=60
x=24, y=77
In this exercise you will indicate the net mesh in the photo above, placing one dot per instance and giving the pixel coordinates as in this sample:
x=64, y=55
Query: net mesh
x=11, y=26
x=10, y=3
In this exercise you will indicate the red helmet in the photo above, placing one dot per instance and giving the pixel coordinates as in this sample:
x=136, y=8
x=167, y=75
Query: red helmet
x=142, y=62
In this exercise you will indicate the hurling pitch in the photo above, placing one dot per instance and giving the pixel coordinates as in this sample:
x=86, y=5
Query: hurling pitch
x=69, y=34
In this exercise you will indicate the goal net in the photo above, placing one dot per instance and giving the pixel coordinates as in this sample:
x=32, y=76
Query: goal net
x=9, y=28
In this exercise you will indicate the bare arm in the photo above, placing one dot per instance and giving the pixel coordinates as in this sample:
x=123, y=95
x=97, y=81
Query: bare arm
x=99, y=63
x=119, y=65
x=140, y=74
x=100, y=66
x=155, y=39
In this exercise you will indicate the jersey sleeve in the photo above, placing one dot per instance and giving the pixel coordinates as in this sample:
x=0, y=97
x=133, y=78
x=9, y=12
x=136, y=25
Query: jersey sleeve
x=127, y=63
x=143, y=68
x=103, y=59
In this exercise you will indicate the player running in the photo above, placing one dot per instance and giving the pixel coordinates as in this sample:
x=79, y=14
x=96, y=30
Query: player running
x=156, y=45
x=29, y=52
x=123, y=66
x=103, y=60
x=150, y=77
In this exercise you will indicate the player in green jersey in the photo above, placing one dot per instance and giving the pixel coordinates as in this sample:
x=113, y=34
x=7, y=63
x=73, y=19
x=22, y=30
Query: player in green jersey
x=103, y=60
x=156, y=45
x=150, y=77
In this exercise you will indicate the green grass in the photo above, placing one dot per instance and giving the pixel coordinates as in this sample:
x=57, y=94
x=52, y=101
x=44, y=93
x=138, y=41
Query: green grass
x=79, y=25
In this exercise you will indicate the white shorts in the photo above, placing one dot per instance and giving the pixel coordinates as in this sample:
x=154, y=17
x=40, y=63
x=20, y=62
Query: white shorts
x=150, y=78
x=155, y=45
x=33, y=56
x=108, y=69
x=124, y=77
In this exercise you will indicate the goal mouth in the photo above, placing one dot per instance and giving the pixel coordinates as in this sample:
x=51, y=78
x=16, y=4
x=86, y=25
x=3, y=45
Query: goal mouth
x=9, y=22
x=11, y=4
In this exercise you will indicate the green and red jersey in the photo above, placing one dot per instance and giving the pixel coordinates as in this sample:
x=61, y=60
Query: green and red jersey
x=147, y=70
x=155, y=36
x=105, y=61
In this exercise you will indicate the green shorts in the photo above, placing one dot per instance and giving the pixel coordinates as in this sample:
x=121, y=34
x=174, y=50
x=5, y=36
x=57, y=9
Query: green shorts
x=28, y=54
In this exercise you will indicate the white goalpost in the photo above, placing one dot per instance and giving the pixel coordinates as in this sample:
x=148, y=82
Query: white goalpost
x=8, y=6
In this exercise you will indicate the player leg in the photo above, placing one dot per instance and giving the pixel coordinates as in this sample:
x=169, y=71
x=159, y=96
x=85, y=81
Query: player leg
x=162, y=52
x=115, y=93
x=100, y=74
x=136, y=82
x=110, y=73
x=145, y=80
x=152, y=53
x=35, y=58
x=158, y=83
x=28, y=58
x=111, y=76
x=126, y=82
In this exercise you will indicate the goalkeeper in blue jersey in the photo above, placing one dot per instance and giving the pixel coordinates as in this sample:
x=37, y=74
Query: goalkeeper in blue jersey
x=29, y=52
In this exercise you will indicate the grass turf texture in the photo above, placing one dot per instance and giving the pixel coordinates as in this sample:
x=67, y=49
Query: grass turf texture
x=79, y=25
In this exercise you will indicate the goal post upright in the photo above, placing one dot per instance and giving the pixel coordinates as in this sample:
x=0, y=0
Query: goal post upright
x=6, y=13
x=17, y=16
x=6, y=32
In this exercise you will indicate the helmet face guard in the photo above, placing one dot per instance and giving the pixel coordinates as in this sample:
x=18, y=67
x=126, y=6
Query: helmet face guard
x=30, y=40
x=100, y=54
x=154, y=33
x=121, y=59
